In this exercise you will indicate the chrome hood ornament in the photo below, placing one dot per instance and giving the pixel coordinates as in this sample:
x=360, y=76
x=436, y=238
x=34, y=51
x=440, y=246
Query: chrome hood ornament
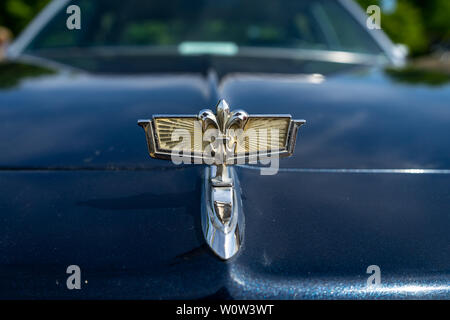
x=221, y=140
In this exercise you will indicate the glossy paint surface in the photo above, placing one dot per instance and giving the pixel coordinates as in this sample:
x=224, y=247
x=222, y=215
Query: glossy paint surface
x=77, y=185
x=362, y=118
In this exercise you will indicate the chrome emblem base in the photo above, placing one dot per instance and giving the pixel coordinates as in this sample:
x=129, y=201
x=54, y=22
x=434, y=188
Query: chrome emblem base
x=222, y=215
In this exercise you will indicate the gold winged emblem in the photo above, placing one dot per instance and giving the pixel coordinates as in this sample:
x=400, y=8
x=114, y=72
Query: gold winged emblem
x=221, y=140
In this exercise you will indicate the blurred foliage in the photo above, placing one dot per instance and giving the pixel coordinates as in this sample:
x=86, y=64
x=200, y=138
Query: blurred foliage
x=420, y=24
x=16, y=14
x=413, y=75
x=11, y=74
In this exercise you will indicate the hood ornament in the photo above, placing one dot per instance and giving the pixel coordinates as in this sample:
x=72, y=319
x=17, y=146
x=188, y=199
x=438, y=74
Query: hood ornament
x=224, y=144
x=221, y=140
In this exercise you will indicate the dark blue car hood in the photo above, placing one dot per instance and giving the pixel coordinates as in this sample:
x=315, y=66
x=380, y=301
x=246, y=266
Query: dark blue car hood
x=78, y=187
x=362, y=118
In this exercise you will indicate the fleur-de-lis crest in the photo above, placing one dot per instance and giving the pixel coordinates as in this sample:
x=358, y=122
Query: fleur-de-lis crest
x=224, y=121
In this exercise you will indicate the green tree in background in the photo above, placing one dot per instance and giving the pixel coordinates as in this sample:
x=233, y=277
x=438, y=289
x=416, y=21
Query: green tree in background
x=436, y=16
x=420, y=24
x=16, y=14
x=405, y=25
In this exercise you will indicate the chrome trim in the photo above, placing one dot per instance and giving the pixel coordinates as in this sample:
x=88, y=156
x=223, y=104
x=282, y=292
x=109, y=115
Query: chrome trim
x=181, y=167
x=314, y=55
x=223, y=234
x=247, y=52
x=365, y=171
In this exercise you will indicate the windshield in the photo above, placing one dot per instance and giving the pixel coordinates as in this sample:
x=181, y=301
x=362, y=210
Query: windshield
x=208, y=25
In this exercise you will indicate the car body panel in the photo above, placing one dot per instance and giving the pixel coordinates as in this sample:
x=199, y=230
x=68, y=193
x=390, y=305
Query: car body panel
x=137, y=235
x=79, y=188
x=368, y=183
x=364, y=118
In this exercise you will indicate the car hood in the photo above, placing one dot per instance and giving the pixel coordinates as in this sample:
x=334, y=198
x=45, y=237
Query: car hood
x=361, y=118
x=78, y=186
